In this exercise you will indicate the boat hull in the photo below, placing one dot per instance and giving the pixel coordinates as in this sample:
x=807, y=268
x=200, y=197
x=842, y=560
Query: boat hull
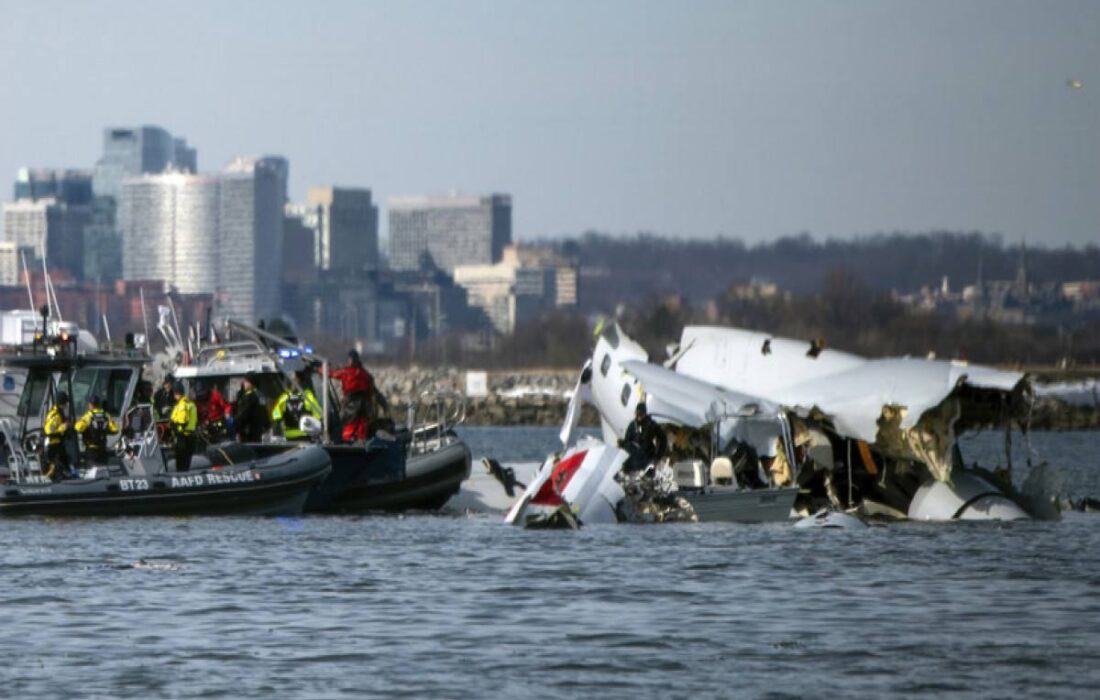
x=426, y=483
x=732, y=505
x=379, y=476
x=276, y=485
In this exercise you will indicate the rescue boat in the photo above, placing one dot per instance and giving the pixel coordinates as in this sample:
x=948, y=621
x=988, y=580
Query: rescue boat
x=419, y=466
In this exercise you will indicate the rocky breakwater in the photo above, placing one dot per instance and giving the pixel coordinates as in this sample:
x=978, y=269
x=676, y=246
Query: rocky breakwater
x=498, y=397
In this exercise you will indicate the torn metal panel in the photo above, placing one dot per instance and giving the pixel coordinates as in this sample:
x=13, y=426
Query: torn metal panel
x=905, y=407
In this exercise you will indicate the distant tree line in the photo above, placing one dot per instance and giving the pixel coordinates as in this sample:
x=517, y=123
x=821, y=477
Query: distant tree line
x=848, y=314
x=836, y=290
x=845, y=312
x=616, y=269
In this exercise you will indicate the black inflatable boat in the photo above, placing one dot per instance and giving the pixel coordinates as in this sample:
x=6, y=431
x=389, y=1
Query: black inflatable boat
x=276, y=484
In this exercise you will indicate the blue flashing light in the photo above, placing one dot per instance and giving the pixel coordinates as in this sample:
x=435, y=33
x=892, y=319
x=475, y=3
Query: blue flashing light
x=307, y=349
x=288, y=353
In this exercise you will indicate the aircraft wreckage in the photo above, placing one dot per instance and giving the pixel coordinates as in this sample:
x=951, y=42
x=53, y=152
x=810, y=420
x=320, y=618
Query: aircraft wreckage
x=763, y=428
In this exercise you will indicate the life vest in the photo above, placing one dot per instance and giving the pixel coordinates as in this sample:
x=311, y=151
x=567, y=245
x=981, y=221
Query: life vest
x=292, y=413
x=185, y=416
x=96, y=428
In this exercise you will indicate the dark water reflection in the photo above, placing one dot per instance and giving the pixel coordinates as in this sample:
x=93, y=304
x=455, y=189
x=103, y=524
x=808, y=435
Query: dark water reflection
x=429, y=606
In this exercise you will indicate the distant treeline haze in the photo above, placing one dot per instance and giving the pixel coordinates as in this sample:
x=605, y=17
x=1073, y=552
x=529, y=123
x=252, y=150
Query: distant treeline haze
x=840, y=291
x=624, y=267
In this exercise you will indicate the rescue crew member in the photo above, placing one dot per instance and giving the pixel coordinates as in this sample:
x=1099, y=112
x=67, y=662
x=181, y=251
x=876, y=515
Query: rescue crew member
x=357, y=386
x=185, y=421
x=292, y=405
x=94, y=426
x=250, y=416
x=56, y=427
x=645, y=441
x=164, y=399
x=213, y=410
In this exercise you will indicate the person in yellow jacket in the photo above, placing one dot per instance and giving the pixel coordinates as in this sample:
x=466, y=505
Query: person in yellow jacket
x=292, y=405
x=94, y=426
x=185, y=421
x=56, y=428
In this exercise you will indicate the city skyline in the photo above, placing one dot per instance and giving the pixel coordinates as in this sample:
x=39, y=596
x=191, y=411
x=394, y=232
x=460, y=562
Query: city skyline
x=748, y=120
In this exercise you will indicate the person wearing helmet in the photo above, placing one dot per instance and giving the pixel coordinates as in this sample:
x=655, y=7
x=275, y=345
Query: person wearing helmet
x=185, y=421
x=292, y=405
x=56, y=428
x=94, y=426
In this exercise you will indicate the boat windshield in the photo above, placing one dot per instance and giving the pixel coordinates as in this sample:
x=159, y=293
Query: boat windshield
x=110, y=384
x=34, y=393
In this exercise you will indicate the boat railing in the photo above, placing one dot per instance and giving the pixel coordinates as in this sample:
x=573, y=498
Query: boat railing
x=141, y=451
x=441, y=412
x=229, y=351
x=23, y=465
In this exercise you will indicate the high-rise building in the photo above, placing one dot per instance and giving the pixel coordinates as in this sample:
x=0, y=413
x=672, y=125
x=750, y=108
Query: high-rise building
x=449, y=230
x=9, y=264
x=46, y=228
x=250, y=219
x=51, y=208
x=347, y=228
x=133, y=151
x=169, y=230
x=219, y=234
x=72, y=187
x=299, y=246
x=102, y=242
x=128, y=152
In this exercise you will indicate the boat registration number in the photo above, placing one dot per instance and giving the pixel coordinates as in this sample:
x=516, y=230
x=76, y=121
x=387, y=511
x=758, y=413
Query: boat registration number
x=133, y=484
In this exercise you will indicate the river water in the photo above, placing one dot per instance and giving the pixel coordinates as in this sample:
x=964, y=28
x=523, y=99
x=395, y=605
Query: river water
x=433, y=606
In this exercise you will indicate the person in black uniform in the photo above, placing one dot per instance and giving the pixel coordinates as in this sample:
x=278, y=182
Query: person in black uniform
x=644, y=441
x=250, y=414
x=164, y=400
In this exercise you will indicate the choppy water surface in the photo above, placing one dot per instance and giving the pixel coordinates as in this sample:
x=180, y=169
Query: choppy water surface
x=435, y=606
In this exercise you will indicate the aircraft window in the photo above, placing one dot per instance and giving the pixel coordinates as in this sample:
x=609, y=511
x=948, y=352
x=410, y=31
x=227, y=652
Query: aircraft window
x=626, y=394
x=611, y=335
x=605, y=364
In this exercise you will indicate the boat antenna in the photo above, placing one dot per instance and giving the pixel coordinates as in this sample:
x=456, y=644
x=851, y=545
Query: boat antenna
x=175, y=319
x=53, y=293
x=145, y=320
x=107, y=328
x=46, y=285
x=27, y=279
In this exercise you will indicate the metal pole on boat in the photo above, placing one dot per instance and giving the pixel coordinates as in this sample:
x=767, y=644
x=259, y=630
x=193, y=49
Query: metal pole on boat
x=324, y=400
x=145, y=320
x=849, y=441
x=107, y=328
x=27, y=279
x=175, y=319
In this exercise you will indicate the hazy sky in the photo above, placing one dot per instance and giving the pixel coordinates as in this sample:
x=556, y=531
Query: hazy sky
x=691, y=118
